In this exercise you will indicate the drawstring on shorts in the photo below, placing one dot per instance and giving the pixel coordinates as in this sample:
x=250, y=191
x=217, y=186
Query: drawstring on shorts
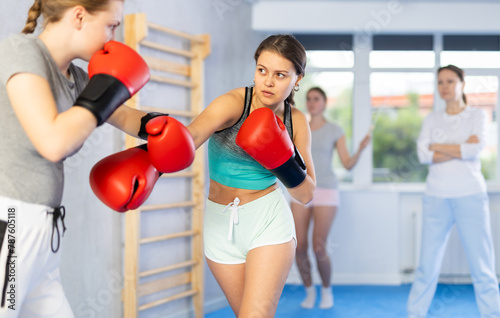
x=233, y=219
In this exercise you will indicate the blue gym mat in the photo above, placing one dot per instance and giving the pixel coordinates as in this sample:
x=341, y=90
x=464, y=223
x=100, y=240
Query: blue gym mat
x=455, y=301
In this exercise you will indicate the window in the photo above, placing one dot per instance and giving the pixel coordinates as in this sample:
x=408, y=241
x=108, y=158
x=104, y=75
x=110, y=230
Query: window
x=330, y=62
x=401, y=98
x=401, y=76
x=479, y=55
x=330, y=59
x=471, y=51
x=402, y=51
x=338, y=88
x=402, y=59
x=471, y=59
x=400, y=102
x=481, y=91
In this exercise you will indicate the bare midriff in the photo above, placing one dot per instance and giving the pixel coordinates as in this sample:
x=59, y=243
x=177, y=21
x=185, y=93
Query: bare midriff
x=222, y=194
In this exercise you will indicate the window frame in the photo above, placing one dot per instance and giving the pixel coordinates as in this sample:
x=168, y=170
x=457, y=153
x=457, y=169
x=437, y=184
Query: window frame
x=362, y=45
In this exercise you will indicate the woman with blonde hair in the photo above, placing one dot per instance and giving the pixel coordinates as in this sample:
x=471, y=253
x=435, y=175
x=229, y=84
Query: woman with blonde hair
x=49, y=108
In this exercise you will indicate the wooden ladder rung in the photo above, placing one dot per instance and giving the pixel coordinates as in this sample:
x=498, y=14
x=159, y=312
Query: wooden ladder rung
x=176, y=33
x=167, y=80
x=176, y=62
x=166, y=206
x=173, y=112
x=168, y=268
x=167, y=49
x=159, y=302
x=167, y=66
x=164, y=284
x=159, y=238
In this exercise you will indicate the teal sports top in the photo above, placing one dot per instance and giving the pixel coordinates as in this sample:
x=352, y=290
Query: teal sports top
x=230, y=165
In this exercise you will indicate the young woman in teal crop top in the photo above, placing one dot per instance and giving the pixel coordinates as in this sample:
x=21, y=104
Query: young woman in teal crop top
x=251, y=262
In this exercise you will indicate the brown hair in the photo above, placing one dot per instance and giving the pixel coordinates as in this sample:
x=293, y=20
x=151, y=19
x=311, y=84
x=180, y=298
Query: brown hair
x=288, y=47
x=319, y=90
x=457, y=70
x=53, y=10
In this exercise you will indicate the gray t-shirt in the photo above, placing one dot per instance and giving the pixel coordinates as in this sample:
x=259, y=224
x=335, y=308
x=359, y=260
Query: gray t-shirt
x=322, y=147
x=24, y=174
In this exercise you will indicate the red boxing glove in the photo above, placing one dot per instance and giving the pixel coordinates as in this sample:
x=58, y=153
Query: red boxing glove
x=264, y=137
x=121, y=62
x=170, y=145
x=116, y=73
x=124, y=180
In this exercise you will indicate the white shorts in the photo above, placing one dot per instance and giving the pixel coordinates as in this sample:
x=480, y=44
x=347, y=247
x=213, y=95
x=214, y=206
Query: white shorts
x=30, y=283
x=265, y=221
x=322, y=197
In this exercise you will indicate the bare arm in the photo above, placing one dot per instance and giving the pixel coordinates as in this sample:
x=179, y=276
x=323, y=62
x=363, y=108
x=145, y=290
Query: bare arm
x=350, y=161
x=449, y=150
x=452, y=151
x=222, y=113
x=302, y=140
x=54, y=135
x=441, y=157
x=127, y=119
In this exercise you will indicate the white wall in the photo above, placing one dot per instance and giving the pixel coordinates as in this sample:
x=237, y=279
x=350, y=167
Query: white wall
x=375, y=238
x=364, y=240
x=92, y=249
x=370, y=17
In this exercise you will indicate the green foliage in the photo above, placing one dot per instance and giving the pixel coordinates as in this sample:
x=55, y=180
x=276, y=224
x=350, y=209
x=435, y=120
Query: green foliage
x=394, y=138
x=488, y=166
x=341, y=113
x=394, y=144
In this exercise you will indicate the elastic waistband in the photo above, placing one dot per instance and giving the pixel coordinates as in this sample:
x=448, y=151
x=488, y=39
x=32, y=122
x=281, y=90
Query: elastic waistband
x=4, y=201
x=35, y=215
x=270, y=197
x=31, y=214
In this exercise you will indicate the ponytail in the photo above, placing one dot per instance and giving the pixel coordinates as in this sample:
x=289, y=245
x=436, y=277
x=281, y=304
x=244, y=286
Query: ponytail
x=33, y=15
x=53, y=10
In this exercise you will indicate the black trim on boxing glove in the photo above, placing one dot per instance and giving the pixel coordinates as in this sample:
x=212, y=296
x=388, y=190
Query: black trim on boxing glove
x=145, y=148
x=292, y=172
x=102, y=96
x=144, y=120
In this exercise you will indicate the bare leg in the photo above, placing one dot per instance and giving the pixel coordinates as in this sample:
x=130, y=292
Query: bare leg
x=323, y=219
x=231, y=279
x=302, y=218
x=266, y=271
